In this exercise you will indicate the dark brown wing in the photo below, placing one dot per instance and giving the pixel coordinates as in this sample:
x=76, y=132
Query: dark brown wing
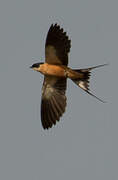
x=57, y=46
x=53, y=101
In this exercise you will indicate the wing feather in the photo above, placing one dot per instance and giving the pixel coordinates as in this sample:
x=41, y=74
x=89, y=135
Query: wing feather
x=53, y=101
x=45, y=115
x=57, y=46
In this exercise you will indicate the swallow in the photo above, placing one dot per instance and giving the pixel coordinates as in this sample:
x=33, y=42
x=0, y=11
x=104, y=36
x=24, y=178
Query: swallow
x=56, y=72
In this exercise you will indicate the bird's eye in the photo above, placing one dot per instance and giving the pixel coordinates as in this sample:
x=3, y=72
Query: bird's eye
x=36, y=65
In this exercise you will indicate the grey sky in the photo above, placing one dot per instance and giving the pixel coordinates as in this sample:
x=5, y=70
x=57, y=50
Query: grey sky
x=84, y=144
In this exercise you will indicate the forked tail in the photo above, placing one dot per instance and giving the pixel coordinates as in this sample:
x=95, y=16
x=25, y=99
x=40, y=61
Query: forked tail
x=83, y=83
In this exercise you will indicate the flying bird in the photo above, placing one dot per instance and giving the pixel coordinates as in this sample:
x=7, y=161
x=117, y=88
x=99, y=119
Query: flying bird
x=56, y=71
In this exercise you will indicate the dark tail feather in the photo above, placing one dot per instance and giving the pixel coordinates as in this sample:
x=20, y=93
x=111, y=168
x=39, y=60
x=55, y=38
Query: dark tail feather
x=96, y=97
x=83, y=83
x=90, y=68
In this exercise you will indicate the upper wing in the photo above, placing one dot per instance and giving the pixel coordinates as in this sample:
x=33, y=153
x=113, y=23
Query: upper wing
x=53, y=101
x=57, y=46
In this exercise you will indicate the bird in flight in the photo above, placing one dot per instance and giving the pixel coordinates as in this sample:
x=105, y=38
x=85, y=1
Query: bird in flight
x=56, y=71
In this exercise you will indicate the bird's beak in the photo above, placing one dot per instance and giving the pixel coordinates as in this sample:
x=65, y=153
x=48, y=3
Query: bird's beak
x=30, y=67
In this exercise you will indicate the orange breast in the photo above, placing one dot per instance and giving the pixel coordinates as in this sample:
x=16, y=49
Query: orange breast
x=52, y=70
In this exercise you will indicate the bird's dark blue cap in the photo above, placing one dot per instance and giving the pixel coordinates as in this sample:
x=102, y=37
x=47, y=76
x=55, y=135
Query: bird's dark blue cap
x=36, y=65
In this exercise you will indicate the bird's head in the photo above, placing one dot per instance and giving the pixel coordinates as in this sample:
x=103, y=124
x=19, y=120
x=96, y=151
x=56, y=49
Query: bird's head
x=36, y=66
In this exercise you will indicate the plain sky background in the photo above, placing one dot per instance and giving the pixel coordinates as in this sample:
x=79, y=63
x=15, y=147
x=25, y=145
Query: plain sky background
x=84, y=144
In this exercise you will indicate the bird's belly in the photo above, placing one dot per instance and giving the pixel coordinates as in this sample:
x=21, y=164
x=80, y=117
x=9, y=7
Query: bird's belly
x=53, y=70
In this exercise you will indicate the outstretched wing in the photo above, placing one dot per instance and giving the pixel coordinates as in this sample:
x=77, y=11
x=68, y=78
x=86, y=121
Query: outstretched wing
x=53, y=100
x=57, y=46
